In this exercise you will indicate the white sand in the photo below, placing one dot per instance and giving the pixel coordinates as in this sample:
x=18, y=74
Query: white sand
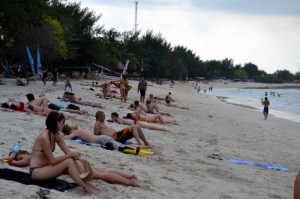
x=181, y=169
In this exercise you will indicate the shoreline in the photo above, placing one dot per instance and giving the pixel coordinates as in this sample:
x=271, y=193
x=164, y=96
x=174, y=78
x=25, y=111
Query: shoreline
x=223, y=99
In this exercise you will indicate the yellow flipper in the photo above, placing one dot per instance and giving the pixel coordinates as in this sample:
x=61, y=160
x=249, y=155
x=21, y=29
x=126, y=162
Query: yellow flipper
x=138, y=151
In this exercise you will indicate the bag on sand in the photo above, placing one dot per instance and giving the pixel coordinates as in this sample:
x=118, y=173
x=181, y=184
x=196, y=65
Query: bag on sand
x=72, y=106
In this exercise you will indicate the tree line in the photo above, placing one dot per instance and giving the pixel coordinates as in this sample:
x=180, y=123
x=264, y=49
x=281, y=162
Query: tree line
x=68, y=35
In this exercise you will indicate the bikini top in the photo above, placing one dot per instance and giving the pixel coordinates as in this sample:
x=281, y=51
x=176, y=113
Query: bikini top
x=41, y=150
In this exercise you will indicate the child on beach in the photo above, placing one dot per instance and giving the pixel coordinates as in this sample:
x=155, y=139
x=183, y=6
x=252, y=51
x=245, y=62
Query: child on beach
x=68, y=83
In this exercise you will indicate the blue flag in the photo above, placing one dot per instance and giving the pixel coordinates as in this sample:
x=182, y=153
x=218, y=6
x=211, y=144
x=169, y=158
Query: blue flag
x=38, y=61
x=30, y=60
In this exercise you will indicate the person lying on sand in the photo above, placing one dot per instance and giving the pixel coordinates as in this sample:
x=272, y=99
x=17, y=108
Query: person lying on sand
x=153, y=109
x=41, y=101
x=108, y=96
x=115, y=117
x=132, y=131
x=28, y=108
x=153, y=118
x=23, y=158
x=41, y=105
x=86, y=136
x=71, y=97
x=44, y=165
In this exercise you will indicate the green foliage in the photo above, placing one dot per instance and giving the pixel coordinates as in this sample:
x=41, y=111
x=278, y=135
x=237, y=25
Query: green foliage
x=58, y=36
x=71, y=36
x=240, y=74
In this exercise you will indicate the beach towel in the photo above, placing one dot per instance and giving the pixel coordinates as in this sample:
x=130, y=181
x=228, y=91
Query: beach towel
x=24, y=178
x=261, y=165
x=79, y=141
x=72, y=105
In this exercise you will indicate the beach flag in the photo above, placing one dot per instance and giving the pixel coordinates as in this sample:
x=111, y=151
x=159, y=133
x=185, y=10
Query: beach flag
x=125, y=67
x=38, y=60
x=30, y=60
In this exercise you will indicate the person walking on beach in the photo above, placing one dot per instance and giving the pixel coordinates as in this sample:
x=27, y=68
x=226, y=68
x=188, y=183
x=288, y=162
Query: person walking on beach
x=142, y=88
x=266, y=104
x=68, y=83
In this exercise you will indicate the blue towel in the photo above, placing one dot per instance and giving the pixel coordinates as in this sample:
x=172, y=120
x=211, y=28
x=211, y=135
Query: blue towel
x=262, y=165
x=79, y=141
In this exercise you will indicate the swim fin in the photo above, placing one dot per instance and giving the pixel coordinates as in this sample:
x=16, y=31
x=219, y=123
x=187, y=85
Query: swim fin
x=136, y=151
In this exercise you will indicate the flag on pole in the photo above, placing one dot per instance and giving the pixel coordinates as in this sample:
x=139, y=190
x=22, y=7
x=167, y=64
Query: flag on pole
x=38, y=61
x=126, y=66
x=30, y=60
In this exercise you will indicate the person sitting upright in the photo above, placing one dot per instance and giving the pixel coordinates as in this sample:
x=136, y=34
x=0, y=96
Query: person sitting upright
x=122, y=136
x=136, y=106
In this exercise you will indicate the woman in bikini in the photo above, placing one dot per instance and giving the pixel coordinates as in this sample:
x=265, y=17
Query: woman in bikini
x=123, y=82
x=43, y=164
x=115, y=117
x=23, y=158
x=71, y=97
x=153, y=118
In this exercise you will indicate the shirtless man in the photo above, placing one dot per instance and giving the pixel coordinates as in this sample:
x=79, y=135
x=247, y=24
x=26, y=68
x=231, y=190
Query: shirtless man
x=129, y=132
x=115, y=117
x=87, y=136
x=41, y=101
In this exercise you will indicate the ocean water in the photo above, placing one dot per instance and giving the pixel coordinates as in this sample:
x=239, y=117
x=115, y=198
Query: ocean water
x=286, y=105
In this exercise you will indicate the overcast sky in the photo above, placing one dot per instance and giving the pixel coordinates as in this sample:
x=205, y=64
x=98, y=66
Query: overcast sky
x=263, y=32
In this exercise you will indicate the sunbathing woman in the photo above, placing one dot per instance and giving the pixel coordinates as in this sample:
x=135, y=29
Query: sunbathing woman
x=23, y=158
x=115, y=117
x=21, y=106
x=41, y=101
x=153, y=118
x=43, y=164
x=71, y=97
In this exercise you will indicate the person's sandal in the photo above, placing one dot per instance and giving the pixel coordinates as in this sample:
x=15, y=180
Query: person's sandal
x=43, y=193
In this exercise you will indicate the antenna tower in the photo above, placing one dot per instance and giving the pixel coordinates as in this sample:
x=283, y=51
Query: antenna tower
x=135, y=17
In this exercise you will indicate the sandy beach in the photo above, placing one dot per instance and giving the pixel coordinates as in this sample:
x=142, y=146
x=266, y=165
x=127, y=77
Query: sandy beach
x=181, y=168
